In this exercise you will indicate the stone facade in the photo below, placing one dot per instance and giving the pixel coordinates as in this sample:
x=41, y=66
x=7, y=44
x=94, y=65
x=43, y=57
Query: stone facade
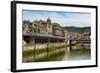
x=43, y=27
x=40, y=31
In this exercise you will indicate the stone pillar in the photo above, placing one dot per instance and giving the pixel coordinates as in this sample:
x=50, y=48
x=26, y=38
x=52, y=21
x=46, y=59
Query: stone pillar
x=32, y=41
x=48, y=41
x=70, y=41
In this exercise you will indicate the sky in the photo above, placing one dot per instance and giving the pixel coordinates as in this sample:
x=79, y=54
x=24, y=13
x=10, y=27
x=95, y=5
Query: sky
x=63, y=18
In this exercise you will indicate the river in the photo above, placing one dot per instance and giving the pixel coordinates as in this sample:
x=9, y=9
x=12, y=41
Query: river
x=57, y=54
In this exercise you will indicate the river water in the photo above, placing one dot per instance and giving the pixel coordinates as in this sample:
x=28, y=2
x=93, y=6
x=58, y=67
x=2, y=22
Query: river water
x=55, y=54
x=77, y=55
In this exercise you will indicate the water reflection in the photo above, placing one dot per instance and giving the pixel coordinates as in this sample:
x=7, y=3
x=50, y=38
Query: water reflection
x=78, y=55
x=56, y=54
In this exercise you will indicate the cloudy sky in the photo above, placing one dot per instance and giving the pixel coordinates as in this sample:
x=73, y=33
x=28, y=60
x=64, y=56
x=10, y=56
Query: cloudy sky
x=63, y=18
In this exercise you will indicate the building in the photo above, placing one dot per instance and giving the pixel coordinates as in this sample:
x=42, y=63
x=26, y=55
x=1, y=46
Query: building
x=86, y=36
x=39, y=32
x=57, y=30
x=73, y=35
x=81, y=41
x=27, y=28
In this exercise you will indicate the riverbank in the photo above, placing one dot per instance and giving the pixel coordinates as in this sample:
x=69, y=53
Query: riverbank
x=43, y=52
x=54, y=52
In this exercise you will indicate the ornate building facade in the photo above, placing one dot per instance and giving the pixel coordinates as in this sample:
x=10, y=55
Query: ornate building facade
x=40, y=31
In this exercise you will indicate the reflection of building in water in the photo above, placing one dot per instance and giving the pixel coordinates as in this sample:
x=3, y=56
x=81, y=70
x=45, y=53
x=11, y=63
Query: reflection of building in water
x=40, y=31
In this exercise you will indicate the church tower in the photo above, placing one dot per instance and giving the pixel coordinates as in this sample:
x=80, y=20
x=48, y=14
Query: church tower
x=49, y=20
x=49, y=26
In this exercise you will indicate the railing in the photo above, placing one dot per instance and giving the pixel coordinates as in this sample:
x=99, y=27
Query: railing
x=42, y=35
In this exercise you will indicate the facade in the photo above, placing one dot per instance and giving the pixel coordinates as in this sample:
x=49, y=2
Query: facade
x=27, y=27
x=86, y=36
x=80, y=41
x=57, y=30
x=42, y=27
x=73, y=36
x=39, y=32
x=66, y=36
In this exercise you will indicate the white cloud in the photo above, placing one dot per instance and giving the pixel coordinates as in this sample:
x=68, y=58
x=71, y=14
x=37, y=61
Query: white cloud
x=63, y=18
